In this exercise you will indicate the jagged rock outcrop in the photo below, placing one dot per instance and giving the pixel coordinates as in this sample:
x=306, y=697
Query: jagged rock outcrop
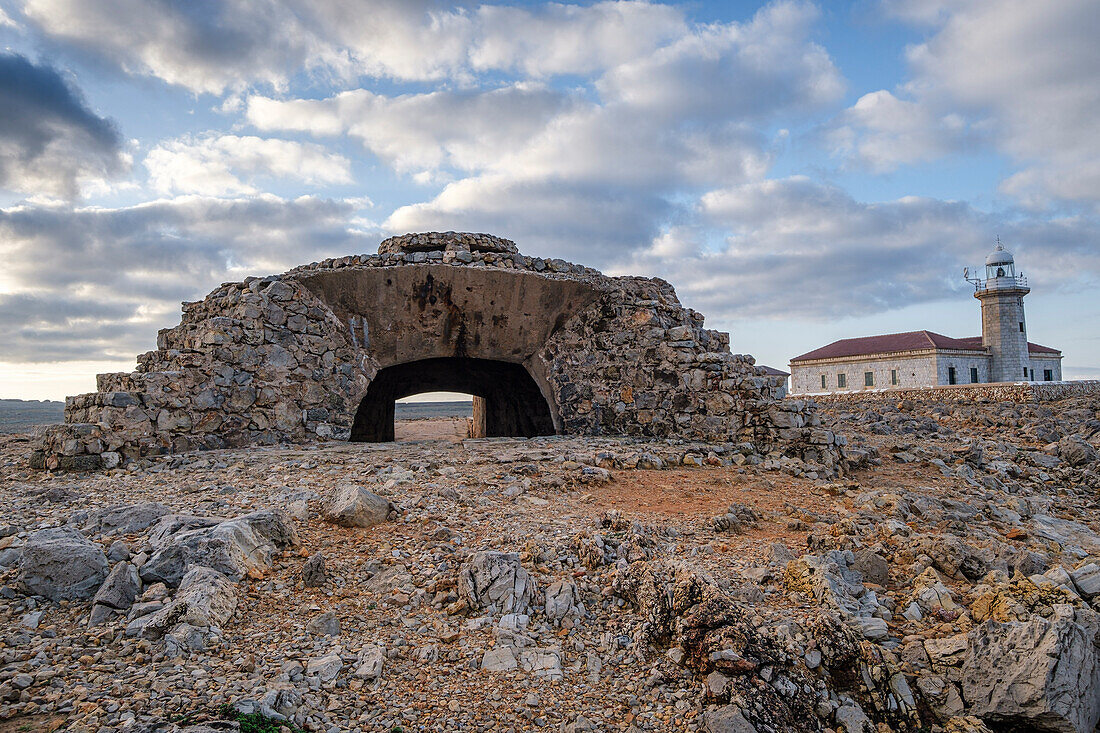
x=496, y=582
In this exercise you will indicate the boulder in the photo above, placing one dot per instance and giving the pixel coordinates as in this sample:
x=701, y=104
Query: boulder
x=236, y=547
x=499, y=659
x=726, y=719
x=1041, y=674
x=120, y=589
x=354, y=506
x=872, y=566
x=125, y=518
x=205, y=598
x=327, y=624
x=1087, y=580
x=496, y=582
x=562, y=599
x=61, y=564
x=324, y=668
x=313, y=571
x=370, y=661
x=1076, y=452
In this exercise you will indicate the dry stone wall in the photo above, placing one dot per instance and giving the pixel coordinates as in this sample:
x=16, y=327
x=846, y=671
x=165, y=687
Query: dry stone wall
x=994, y=392
x=290, y=358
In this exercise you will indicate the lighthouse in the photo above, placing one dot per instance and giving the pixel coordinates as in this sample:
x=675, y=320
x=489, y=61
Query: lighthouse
x=1004, y=330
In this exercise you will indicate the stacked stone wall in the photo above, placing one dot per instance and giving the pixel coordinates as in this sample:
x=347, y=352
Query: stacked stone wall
x=268, y=361
x=995, y=392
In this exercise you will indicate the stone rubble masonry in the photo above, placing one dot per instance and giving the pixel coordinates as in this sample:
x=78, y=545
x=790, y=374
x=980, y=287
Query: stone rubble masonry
x=288, y=358
x=1002, y=392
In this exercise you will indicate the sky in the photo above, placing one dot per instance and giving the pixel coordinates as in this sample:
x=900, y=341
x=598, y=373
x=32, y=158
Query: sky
x=800, y=172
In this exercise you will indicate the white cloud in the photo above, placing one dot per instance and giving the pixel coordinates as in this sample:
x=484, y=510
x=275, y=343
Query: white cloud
x=589, y=224
x=556, y=38
x=884, y=132
x=202, y=46
x=602, y=176
x=743, y=71
x=217, y=165
x=97, y=283
x=211, y=48
x=1026, y=74
x=464, y=129
x=799, y=249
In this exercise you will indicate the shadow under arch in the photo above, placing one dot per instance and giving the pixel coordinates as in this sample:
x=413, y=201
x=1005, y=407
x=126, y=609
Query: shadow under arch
x=512, y=404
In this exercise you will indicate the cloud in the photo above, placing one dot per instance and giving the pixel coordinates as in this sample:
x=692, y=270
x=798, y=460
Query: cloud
x=50, y=141
x=97, y=283
x=214, y=47
x=206, y=47
x=217, y=165
x=883, y=132
x=557, y=38
x=467, y=129
x=798, y=249
x=604, y=176
x=590, y=224
x=735, y=70
x=1024, y=74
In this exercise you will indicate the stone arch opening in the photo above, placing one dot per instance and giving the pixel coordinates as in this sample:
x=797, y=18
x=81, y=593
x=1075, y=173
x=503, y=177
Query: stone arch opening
x=507, y=400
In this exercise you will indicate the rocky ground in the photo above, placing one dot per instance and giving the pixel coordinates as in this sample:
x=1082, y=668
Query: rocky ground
x=949, y=581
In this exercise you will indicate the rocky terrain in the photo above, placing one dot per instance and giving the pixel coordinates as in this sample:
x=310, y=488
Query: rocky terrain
x=948, y=580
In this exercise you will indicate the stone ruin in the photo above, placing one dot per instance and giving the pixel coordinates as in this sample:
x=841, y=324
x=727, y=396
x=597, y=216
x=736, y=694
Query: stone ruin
x=322, y=352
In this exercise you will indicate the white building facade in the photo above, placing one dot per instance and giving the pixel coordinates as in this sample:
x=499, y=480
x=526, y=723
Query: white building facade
x=925, y=358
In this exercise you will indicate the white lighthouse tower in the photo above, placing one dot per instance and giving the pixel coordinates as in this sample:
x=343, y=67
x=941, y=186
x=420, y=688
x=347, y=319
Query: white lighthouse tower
x=1004, y=330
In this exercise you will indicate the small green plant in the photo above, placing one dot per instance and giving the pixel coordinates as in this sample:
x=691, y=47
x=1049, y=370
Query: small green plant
x=255, y=722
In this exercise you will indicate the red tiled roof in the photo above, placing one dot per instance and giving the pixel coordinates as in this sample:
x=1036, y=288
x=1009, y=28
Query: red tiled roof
x=773, y=372
x=910, y=341
x=976, y=343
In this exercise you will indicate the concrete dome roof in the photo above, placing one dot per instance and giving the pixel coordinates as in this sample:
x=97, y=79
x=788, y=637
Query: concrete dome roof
x=999, y=256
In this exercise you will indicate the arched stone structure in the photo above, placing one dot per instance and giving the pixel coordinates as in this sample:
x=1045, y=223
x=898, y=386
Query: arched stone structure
x=300, y=356
x=512, y=404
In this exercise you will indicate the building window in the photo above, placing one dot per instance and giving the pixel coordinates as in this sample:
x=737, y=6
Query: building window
x=868, y=379
x=1048, y=375
x=1021, y=326
x=1025, y=372
x=973, y=375
x=842, y=380
x=823, y=384
x=951, y=377
x=1032, y=375
x=893, y=376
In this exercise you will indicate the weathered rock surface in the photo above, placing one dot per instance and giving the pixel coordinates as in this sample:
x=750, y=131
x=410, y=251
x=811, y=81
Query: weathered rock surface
x=313, y=571
x=205, y=598
x=126, y=518
x=119, y=590
x=355, y=506
x=497, y=583
x=1042, y=674
x=235, y=547
x=61, y=564
x=968, y=507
